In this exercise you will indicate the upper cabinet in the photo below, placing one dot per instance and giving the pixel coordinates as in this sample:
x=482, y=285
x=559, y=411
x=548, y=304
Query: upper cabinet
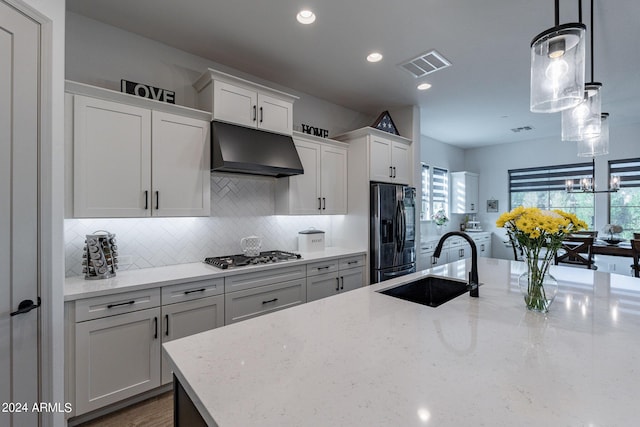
x=389, y=156
x=464, y=192
x=134, y=157
x=235, y=100
x=322, y=189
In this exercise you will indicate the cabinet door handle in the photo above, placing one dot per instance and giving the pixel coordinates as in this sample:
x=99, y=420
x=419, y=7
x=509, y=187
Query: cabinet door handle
x=121, y=303
x=271, y=300
x=194, y=291
x=319, y=203
x=155, y=326
x=342, y=281
x=394, y=171
x=390, y=171
x=261, y=114
x=254, y=113
x=146, y=199
x=482, y=247
x=157, y=200
x=324, y=203
x=166, y=319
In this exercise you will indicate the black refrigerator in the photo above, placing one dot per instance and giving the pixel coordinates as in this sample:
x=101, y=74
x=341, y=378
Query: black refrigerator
x=392, y=231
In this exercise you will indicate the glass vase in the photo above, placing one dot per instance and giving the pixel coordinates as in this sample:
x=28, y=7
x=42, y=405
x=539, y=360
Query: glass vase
x=538, y=287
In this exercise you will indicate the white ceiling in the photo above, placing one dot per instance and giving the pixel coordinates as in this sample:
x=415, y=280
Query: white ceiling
x=475, y=102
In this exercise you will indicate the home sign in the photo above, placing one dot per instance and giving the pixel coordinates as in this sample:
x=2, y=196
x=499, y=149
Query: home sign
x=147, y=91
x=310, y=130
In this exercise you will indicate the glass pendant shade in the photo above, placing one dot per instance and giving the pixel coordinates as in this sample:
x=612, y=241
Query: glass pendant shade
x=557, y=68
x=598, y=145
x=583, y=120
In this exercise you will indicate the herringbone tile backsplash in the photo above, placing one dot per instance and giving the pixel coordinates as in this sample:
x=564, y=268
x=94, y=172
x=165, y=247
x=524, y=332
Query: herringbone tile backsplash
x=240, y=206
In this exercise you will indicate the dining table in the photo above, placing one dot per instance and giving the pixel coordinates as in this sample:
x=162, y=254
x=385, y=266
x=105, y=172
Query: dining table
x=620, y=249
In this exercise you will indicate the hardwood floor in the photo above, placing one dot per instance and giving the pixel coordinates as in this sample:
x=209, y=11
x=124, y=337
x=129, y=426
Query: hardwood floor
x=154, y=412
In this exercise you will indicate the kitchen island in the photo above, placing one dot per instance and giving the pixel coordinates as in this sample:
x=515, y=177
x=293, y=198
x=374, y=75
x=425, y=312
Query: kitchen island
x=368, y=359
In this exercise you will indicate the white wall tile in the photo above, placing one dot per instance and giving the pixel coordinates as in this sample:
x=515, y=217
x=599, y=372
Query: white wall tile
x=241, y=205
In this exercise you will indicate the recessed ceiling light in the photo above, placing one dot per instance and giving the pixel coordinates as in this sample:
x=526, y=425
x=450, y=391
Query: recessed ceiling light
x=424, y=86
x=374, y=57
x=306, y=17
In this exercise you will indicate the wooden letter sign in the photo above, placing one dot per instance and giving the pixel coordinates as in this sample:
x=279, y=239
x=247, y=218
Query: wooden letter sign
x=146, y=91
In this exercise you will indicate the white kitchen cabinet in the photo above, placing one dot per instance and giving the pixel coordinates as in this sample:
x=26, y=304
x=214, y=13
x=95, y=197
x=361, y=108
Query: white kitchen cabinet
x=322, y=189
x=464, y=192
x=242, y=305
x=327, y=278
x=458, y=249
x=187, y=318
x=135, y=161
x=117, y=351
x=483, y=243
x=389, y=156
x=235, y=100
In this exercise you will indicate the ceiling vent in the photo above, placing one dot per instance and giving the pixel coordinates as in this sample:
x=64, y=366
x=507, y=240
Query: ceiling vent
x=521, y=128
x=425, y=64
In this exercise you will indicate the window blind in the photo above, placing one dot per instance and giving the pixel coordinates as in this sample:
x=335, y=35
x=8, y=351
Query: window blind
x=440, y=189
x=628, y=170
x=548, y=178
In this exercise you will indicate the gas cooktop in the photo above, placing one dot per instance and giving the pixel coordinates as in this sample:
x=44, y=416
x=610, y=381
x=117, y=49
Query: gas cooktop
x=265, y=257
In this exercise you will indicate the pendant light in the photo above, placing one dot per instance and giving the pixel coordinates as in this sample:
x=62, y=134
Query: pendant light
x=557, y=67
x=583, y=121
x=596, y=145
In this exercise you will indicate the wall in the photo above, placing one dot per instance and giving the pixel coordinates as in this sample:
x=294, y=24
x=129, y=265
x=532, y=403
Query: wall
x=101, y=55
x=438, y=154
x=493, y=163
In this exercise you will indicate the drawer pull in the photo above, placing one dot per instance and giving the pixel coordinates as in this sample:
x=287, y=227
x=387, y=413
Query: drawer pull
x=326, y=267
x=194, y=291
x=352, y=262
x=121, y=303
x=271, y=300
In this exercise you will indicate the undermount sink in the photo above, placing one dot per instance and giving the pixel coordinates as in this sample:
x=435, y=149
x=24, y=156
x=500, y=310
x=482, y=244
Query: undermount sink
x=430, y=290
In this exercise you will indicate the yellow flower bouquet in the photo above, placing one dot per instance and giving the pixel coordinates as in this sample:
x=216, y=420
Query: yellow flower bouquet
x=539, y=233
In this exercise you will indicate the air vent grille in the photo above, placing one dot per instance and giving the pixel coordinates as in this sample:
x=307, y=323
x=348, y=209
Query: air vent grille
x=424, y=64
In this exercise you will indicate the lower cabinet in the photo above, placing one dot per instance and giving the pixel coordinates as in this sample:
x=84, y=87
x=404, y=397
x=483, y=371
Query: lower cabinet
x=242, y=305
x=116, y=356
x=182, y=319
x=332, y=277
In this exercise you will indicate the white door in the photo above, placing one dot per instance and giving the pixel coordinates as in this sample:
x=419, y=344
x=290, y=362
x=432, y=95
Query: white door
x=180, y=166
x=304, y=196
x=275, y=115
x=19, y=263
x=334, y=180
x=112, y=159
x=235, y=104
x=400, y=157
x=380, y=161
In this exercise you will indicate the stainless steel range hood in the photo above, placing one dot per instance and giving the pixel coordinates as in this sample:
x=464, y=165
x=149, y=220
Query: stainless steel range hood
x=250, y=151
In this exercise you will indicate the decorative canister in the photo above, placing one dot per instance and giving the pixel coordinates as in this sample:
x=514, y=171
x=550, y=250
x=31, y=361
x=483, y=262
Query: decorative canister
x=100, y=255
x=310, y=240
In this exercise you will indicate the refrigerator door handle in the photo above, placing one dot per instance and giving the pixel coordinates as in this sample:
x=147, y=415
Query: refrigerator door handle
x=403, y=213
x=398, y=227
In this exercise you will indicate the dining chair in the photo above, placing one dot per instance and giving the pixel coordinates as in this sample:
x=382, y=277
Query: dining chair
x=576, y=251
x=635, y=249
x=518, y=254
x=636, y=236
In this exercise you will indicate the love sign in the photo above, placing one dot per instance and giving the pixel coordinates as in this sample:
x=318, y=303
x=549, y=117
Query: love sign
x=147, y=91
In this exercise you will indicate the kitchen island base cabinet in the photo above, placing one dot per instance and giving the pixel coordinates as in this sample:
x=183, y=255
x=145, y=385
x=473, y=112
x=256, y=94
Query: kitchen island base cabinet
x=185, y=413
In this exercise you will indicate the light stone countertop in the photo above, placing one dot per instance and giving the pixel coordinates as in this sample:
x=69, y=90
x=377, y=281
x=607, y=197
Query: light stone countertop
x=129, y=280
x=366, y=359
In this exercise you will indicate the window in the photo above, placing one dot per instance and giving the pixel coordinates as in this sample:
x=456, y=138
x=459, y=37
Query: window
x=545, y=188
x=624, y=206
x=440, y=191
x=425, y=213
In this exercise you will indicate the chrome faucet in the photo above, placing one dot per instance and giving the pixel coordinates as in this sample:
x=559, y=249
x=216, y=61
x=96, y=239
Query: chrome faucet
x=473, y=274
